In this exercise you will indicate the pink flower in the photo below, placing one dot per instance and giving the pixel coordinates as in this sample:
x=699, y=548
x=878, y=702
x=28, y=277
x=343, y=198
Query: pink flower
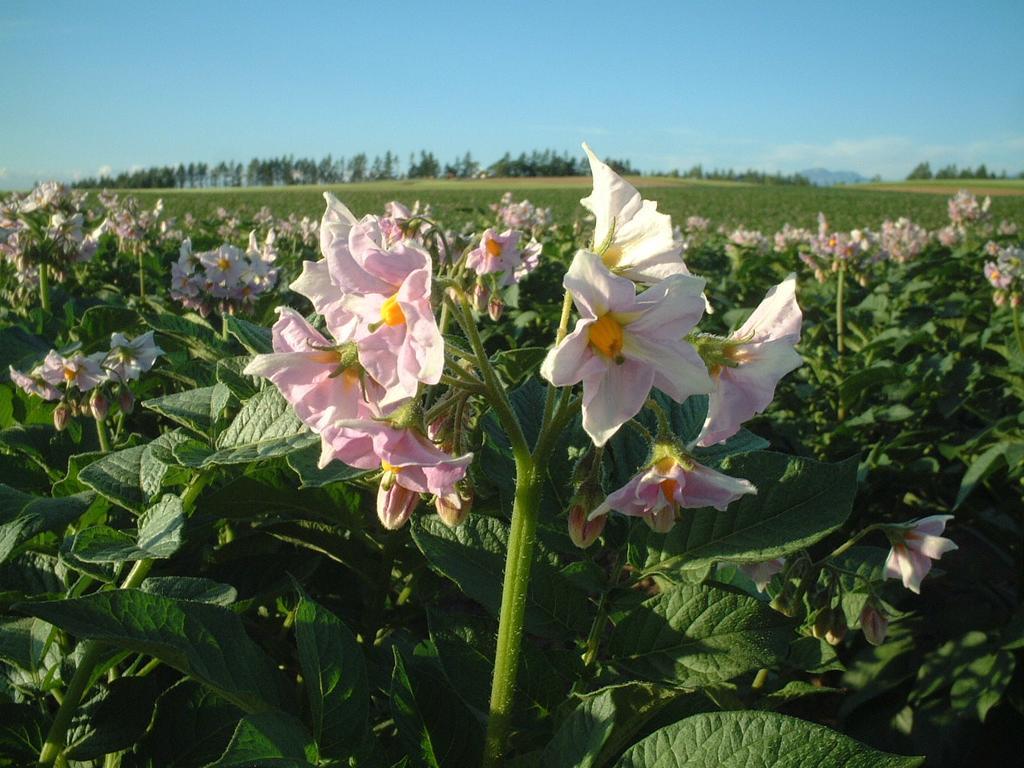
x=753, y=360
x=500, y=254
x=626, y=343
x=657, y=492
x=374, y=286
x=130, y=358
x=395, y=505
x=81, y=371
x=417, y=463
x=308, y=369
x=34, y=384
x=761, y=573
x=632, y=238
x=914, y=549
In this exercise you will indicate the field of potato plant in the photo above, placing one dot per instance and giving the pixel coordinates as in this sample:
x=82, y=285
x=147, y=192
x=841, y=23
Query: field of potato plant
x=487, y=485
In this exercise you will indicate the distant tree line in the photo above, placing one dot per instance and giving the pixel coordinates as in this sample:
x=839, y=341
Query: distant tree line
x=288, y=169
x=924, y=171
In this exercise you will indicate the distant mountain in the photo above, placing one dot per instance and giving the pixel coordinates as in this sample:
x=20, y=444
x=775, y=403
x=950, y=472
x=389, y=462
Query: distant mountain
x=821, y=177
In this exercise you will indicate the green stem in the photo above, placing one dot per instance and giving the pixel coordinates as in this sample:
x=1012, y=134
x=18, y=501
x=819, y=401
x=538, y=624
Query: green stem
x=142, y=277
x=563, y=329
x=521, y=542
x=845, y=546
x=224, y=327
x=1016, y=328
x=840, y=334
x=103, y=435
x=44, y=287
x=53, y=747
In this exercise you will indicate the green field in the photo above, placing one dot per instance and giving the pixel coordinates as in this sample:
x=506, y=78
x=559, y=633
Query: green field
x=763, y=207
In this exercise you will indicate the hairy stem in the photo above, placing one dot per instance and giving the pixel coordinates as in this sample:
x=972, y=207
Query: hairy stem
x=44, y=287
x=513, y=609
x=102, y=435
x=142, y=277
x=1016, y=328
x=840, y=334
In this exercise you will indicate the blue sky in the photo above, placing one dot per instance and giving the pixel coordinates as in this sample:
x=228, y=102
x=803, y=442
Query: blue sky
x=868, y=86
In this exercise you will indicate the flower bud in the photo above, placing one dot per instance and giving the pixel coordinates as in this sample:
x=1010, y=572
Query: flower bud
x=837, y=628
x=495, y=306
x=662, y=520
x=784, y=604
x=126, y=400
x=61, y=415
x=453, y=508
x=480, y=297
x=99, y=405
x=874, y=623
x=395, y=504
x=822, y=623
x=584, y=532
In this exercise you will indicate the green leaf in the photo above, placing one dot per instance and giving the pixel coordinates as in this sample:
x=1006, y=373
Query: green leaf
x=1005, y=452
x=191, y=588
x=514, y=365
x=604, y=723
x=114, y=719
x=255, y=338
x=473, y=556
x=159, y=536
x=192, y=331
x=268, y=739
x=197, y=409
x=23, y=516
x=972, y=667
x=129, y=477
x=695, y=634
x=764, y=739
x=799, y=502
x=334, y=672
x=22, y=733
x=265, y=427
x=20, y=349
x=206, y=642
x=304, y=463
x=229, y=373
x=412, y=731
x=99, y=322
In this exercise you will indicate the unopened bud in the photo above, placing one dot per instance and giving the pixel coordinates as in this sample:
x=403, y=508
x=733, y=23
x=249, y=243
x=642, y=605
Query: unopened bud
x=662, y=520
x=784, y=604
x=837, y=629
x=61, y=415
x=99, y=405
x=874, y=623
x=453, y=508
x=395, y=504
x=495, y=306
x=126, y=400
x=480, y=297
x=584, y=532
x=822, y=623
x=1014, y=300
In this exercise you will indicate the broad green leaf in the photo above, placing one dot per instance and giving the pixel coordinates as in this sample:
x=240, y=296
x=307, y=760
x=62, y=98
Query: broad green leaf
x=1005, y=452
x=192, y=331
x=229, y=373
x=197, y=409
x=114, y=719
x=132, y=476
x=695, y=634
x=23, y=516
x=604, y=723
x=412, y=731
x=22, y=733
x=516, y=364
x=265, y=427
x=334, y=672
x=20, y=349
x=190, y=588
x=304, y=463
x=972, y=667
x=764, y=739
x=99, y=322
x=473, y=556
x=255, y=338
x=799, y=502
x=268, y=739
x=206, y=642
x=159, y=536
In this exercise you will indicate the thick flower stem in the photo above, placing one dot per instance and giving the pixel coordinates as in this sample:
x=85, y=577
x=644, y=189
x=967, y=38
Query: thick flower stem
x=44, y=287
x=840, y=333
x=513, y=609
x=224, y=327
x=142, y=277
x=1016, y=328
x=102, y=435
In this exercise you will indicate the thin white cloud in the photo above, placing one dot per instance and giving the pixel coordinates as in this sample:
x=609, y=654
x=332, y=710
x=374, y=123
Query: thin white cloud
x=105, y=170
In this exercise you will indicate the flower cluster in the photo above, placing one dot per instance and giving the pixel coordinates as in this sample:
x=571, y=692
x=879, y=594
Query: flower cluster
x=638, y=305
x=791, y=238
x=965, y=210
x=1005, y=273
x=902, y=240
x=499, y=262
x=742, y=242
x=135, y=227
x=522, y=215
x=359, y=388
x=45, y=227
x=227, y=277
x=105, y=375
x=832, y=251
